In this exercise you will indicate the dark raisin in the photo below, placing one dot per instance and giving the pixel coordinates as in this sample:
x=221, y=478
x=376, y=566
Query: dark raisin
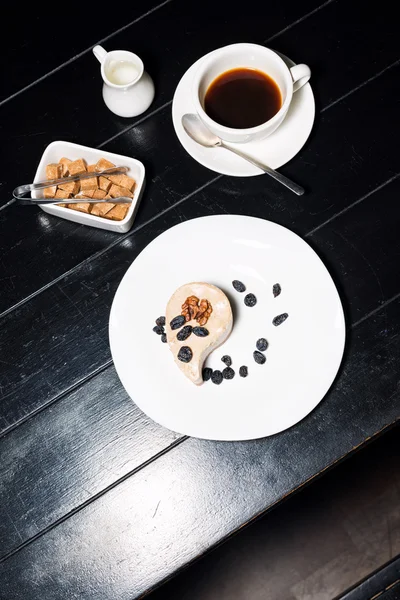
x=262, y=344
x=228, y=373
x=227, y=360
x=177, y=322
x=184, y=333
x=259, y=357
x=216, y=377
x=239, y=286
x=279, y=319
x=276, y=289
x=250, y=300
x=207, y=372
x=200, y=331
x=164, y=338
x=160, y=321
x=243, y=371
x=158, y=329
x=185, y=354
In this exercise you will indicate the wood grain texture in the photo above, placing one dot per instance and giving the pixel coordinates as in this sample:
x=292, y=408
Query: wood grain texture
x=383, y=584
x=81, y=302
x=392, y=593
x=65, y=455
x=68, y=114
x=96, y=500
x=35, y=47
x=171, y=173
x=200, y=492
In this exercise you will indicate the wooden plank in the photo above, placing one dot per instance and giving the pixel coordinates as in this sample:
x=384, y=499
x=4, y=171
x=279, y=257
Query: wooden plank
x=35, y=48
x=171, y=173
x=386, y=578
x=65, y=455
x=343, y=162
x=74, y=312
x=366, y=278
x=360, y=246
x=57, y=108
x=200, y=492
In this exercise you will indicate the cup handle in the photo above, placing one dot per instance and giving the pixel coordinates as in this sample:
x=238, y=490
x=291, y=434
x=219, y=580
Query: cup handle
x=300, y=75
x=99, y=53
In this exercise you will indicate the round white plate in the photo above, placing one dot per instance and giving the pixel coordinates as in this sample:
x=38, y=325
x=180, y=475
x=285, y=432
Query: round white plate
x=275, y=150
x=304, y=352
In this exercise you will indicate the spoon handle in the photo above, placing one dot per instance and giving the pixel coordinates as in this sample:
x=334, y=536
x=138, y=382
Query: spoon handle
x=297, y=189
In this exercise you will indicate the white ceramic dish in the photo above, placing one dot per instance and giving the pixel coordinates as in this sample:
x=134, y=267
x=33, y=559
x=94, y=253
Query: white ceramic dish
x=275, y=150
x=57, y=150
x=304, y=352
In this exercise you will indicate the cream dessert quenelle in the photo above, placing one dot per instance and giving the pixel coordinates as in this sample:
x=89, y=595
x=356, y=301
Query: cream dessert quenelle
x=198, y=320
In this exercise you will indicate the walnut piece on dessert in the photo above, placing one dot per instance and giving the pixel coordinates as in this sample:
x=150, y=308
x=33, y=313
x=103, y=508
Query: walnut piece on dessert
x=193, y=308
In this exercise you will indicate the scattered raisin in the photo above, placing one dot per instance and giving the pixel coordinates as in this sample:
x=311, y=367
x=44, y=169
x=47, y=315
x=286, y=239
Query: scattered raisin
x=177, y=322
x=279, y=319
x=250, y=300
x=243, y=371
x=200, y=331
x=239, y=286
x=227, y=360
x=184, y=333
x=228, y=373
x=185, y=354
x=216, y=377
x=164, y=338
x=259, y=357
x=262, y=344
x=160, y=321
x=207, y=372
x=158, y=329
x=276, y=289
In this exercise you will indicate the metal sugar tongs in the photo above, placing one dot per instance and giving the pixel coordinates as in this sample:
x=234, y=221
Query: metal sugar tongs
x=21, y=190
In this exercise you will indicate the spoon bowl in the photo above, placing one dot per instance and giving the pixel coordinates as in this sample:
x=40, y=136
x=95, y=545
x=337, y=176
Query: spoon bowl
x=200, y=133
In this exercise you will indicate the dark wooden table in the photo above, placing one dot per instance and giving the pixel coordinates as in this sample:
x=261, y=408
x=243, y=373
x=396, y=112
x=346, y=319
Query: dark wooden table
x=97, y=501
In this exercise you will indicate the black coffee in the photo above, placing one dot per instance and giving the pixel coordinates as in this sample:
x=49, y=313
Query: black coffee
x=242, y=98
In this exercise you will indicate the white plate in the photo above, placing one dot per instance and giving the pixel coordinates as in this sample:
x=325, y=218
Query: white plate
x=58, y=149
x=304, y=352
x=276, y=150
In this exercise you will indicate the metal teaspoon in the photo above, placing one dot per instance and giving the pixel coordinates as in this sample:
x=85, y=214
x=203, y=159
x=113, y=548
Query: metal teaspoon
x=196, y=129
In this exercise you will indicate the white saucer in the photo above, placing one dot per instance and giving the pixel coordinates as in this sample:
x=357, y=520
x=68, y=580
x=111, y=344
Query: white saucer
x=304, y=352
x=275, y=151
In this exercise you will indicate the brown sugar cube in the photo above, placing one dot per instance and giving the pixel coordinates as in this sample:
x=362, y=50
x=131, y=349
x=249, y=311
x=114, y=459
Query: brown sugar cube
x=77, y=166
x=100, y=210
x=115, y=179
x=72, y=187
x=127, y=182
x=81, y=207
x=62, y=194
x=91, y=168
x=118, y=212
x=64, y=162
x=84, y=194
x=53, y=171
x=89, y=184
x=116, y=191
x=104, y=184
x=50, y=192
x=103, y=164
x=99, y=194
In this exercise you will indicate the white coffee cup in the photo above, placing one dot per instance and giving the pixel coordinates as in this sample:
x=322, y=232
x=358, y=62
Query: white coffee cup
x=251, y=56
